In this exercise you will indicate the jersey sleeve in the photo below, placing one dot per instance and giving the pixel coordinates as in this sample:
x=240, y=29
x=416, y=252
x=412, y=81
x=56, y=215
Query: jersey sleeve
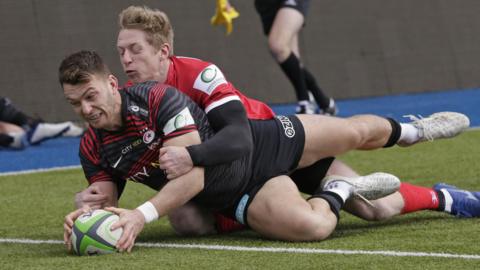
x=90, y=159
x=212, y=90
x=171, y=112
x=232, y=139
x=215, y=87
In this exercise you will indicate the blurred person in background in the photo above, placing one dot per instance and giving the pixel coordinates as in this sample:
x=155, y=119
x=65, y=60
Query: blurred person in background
x=18, y=130
x=282, y=21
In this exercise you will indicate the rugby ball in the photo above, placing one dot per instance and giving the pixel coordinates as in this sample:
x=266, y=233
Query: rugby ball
x=91, y=234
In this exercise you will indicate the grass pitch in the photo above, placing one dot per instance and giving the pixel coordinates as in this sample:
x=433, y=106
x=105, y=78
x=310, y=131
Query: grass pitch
x=32, y=207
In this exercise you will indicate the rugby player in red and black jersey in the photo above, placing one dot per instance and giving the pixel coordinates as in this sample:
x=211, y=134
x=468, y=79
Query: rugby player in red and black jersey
x=128, y=128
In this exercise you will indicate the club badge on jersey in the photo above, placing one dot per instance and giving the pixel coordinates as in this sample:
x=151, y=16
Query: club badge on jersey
x=209, y=79
x=182, y=119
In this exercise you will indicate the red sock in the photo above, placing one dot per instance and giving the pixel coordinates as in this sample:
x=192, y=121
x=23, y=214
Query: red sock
x=418, y=198
x=226, y=225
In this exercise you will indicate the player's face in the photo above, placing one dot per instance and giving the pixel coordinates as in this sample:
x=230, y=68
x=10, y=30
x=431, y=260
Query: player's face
x=140, y=60
x=97, y=101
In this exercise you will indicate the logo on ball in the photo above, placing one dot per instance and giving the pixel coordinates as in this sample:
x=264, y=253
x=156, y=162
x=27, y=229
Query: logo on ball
x=91, y=234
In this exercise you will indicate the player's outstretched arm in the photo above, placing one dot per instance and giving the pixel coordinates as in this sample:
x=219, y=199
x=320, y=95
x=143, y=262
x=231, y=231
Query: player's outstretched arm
x=174, y=194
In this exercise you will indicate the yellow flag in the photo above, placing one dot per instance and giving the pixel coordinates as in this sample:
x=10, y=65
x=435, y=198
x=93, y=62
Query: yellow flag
x=224, y=14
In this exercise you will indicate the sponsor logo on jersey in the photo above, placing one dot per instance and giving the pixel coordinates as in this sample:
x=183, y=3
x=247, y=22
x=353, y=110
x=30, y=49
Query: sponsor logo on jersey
x=208, y=74
x=117, y=162
x=209, y=79
x=179, y=121
x=182, y=119
x=136, y=109
x=148, y=136
x=139, y=176
x=287, y=126
x=130, y=147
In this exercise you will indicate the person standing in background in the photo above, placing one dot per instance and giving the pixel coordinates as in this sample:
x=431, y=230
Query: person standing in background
x=282, y=21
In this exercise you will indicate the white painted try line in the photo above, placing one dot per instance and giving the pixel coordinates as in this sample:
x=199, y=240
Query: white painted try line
x=270, y=249
x=41, y=170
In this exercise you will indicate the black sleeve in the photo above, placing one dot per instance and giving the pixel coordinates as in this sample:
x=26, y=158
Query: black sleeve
x=232, y=139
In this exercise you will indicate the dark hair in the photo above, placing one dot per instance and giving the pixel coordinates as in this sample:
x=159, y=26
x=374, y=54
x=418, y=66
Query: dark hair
x=78, y=68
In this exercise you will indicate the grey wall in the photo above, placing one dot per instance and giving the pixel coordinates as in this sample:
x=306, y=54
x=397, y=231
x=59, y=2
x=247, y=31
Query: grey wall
x=355, y=48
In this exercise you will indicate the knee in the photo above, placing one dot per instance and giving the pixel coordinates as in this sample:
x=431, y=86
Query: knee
x=187, y=222
x=314, y=227
x=280, y=50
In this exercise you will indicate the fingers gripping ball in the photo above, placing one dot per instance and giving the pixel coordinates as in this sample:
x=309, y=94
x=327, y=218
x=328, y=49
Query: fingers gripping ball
x=91, y=233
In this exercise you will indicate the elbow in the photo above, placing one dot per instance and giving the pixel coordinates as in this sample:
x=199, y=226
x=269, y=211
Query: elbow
x=243, y=145
x=242, y=149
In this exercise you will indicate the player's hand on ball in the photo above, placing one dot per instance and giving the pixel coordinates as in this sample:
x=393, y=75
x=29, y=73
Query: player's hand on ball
x=132, y=222
x=175, y=161
x=68, y=224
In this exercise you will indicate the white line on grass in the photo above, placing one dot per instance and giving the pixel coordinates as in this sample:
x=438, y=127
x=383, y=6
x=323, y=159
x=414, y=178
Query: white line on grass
x=270, y=249
x=41, y=170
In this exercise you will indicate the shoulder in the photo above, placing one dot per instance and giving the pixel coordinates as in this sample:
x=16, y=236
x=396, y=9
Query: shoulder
x=193, y=66
x=139, y=89
x=189, y=61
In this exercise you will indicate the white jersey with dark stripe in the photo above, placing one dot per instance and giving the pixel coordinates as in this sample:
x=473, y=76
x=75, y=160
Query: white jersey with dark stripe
x=153, y=113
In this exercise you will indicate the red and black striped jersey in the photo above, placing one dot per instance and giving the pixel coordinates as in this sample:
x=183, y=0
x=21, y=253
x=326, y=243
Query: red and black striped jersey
x=153, y=113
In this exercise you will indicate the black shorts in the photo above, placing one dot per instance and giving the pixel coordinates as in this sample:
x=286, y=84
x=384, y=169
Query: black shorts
x=267, y=9
x=278, y=147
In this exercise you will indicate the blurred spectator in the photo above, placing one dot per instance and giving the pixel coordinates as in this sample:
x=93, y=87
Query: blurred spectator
x=282, y=21
x=18, y=130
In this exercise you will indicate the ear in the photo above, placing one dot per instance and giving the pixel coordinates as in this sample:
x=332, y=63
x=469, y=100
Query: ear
x=113, y=82
x=164, y=51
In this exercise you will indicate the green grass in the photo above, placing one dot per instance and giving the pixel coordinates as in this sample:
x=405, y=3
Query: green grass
x=32, y=206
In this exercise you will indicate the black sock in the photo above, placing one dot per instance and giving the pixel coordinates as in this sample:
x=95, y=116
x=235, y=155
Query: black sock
x=291, y=67
x=5, y=140
x=12, y=115
x=441, y=200
x=336, y=202
x=306, y=178
x=396, y=132
x=322, y=100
